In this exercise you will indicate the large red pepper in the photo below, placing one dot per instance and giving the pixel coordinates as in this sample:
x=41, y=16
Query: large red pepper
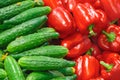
x=110, y=39
x=112, y=8
x=90, y=20
x=62, y=21
x=53, y=3
x=87, y=67
x=110, y=69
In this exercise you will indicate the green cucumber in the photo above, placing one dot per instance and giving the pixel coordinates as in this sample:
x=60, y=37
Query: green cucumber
x=44, y=63
x=73, y=77
x=28, y=14
x=4, y=3
x=39, y=76
x=3, y=74
x=46, y=29
x=30, y=41
x=50, y=50
x=67, y=71
x=20, y=30
x=13, y=70
x=14, y=9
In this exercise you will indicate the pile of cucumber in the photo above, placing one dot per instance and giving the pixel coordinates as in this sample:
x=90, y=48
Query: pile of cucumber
x=25, y=49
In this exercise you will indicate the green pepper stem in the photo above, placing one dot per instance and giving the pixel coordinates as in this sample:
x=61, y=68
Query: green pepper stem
x=110, y=36
x=91, y=32
x=89, y=52
x=106, y=65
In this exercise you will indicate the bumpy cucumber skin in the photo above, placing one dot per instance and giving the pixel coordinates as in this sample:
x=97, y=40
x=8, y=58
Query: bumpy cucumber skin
x=3, y=74
x=68, y=71
x=12, y=10
x=44, y=63
x=30, y=41
x=39, y=76
x=13, y=70
x=73, y=77
x=4, y=3
x=20, y=30
x=50, y=50
x=28, y=14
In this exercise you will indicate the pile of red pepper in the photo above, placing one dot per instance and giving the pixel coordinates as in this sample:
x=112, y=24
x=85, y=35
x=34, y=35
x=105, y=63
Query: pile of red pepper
x=90, y=29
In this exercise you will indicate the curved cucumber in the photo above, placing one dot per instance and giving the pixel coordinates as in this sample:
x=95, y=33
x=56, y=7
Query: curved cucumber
x=12, y=10
x=3, y=74
x=22, y=29
x=44, y=63
x=13, y=70
x=4, y=3
x=28, y=14
x=50, y=50
x=30, y=41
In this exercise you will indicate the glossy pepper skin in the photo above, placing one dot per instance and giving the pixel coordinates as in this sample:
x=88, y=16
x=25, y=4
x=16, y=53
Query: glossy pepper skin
x=71, y=41
x=98, y=78
x=62, y=21
x=110, y=69
x=110, y=39
x=85, y=16
x=53, y=3
x=87, y=67
x=77, y=44
x=111, y=7
x=70, y=4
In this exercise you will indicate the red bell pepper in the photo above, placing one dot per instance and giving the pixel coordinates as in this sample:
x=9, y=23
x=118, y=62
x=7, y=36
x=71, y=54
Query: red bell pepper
x=72, y=40
x=62, y=21
x=112, y=8
x=85, y=17
x=87, y=67
x=110, y=39
x=53, y=3
x=97, y=4
x=70, y=4
x=110, y=69
x=79, y=49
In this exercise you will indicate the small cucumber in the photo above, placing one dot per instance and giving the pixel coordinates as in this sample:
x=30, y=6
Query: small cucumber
x=44, y=63
x=68, y=71
x=22, y=29
x=27, y=15
x=13, y=70
x=39, y=76
x=14, y=9
x=73, y=77
x=4, y=3
x=3, y=74
x=30, y=41
x=50, y=50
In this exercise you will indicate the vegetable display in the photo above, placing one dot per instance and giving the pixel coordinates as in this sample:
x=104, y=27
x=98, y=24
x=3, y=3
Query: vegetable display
x=59, y=39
